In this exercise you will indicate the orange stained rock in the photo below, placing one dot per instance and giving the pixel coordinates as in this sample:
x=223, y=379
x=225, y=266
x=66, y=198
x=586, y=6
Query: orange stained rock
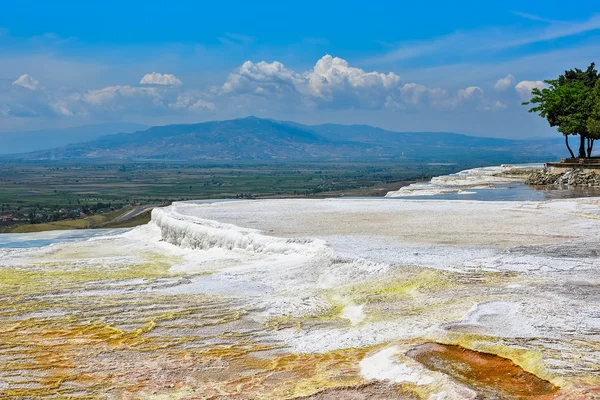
x=488, y=374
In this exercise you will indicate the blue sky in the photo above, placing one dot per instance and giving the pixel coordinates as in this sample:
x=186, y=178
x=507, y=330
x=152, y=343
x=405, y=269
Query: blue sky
x=461, y=66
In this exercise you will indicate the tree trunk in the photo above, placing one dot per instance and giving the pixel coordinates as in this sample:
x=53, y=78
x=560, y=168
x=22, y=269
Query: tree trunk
x=587, y=147
x=569, y=147
x=590, y=147
x=581, y=146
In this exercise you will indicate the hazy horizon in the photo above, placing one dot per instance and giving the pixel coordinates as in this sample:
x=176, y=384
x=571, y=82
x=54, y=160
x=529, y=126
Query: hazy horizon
x=143, y=127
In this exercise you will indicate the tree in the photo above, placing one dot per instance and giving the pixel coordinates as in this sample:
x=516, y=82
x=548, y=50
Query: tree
x=577, y=103
x=593, y=122
x=567, y=103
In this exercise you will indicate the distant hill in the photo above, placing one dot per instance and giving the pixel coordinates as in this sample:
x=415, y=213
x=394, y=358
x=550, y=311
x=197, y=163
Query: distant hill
x=21, y=142
x=264, y=139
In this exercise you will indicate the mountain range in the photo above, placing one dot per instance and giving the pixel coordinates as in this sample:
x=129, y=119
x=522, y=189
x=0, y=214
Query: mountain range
x=254, y=138
x=21, y=142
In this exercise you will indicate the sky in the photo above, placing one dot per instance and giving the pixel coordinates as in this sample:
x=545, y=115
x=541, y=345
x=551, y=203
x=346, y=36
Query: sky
x=462, y=66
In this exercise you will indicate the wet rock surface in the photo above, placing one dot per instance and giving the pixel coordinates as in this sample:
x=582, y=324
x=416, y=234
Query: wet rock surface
x=575, y=177
x=490, y=375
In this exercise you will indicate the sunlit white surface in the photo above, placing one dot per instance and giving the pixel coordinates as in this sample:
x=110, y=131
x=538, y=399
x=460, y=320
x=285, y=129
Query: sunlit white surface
x=520, y=273
x=476, y=178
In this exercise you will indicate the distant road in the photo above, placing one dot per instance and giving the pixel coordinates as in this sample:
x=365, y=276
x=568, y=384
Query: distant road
x=134, y=212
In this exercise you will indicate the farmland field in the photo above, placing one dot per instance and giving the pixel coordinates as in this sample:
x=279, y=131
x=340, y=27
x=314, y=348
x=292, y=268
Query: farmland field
x=50, y=192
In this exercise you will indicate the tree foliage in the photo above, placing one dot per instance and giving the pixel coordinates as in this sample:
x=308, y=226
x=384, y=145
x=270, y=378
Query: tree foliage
x=572, y=104
x=593, y=122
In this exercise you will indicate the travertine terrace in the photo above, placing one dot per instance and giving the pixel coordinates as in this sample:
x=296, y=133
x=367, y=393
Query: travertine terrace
x=316, y=299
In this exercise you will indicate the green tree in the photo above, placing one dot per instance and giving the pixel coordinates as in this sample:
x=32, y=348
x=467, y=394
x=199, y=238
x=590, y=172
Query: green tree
x=568, y=103
x=593, y=122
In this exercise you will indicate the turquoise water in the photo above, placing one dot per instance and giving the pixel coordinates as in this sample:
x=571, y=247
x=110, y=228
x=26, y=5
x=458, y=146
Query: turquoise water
x=511, y=192
x=41, y=239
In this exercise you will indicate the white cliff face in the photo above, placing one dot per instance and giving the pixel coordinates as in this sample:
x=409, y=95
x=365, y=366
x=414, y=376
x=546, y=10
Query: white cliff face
x=461, y=182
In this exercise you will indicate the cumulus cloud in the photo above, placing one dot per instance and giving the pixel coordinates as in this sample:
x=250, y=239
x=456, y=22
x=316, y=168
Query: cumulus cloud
x=415, y=94
x=493, y=106
x=182, y=102
x=505, y=83
x=60, y=108
x=25, y=98
x=262, y=78
x=156, y=78
x=332, y=82
x=332, y=77
x=469, y=93
x=524, y=88
x=161, y=100
x=192, y=103
x=26, y=81
x=156, y=95
x=113, y=96
x=202, y=104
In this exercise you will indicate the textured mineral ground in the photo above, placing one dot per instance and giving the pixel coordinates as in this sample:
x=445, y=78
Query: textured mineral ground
x=310, y=299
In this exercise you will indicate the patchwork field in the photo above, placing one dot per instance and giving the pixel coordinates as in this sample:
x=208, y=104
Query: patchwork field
x=53, y=195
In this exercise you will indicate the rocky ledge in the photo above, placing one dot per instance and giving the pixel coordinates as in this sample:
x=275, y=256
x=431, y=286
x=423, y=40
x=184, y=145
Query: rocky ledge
x=574, y=177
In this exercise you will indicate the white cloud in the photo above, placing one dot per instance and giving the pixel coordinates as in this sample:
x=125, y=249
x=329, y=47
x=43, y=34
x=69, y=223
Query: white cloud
x=160, y=79
x=25, y=98
x=532, y=17
x=112, y=95
x=392, y=104
x=524, y=88
x=416, y=94
x=332, y=76
x=111, y=101
x=332, y=82
x=261, y=79
x=469, y=93
x=26, y=81
x=154, y=100
x=494, y=106
x=125, y=100
x=235, y=39
x=413, y=93
x=477, y=42
x=498, y=105
x=61, y=109
x=505, y=83
x=182, y=102
x=202, y=104
x=192, y=103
